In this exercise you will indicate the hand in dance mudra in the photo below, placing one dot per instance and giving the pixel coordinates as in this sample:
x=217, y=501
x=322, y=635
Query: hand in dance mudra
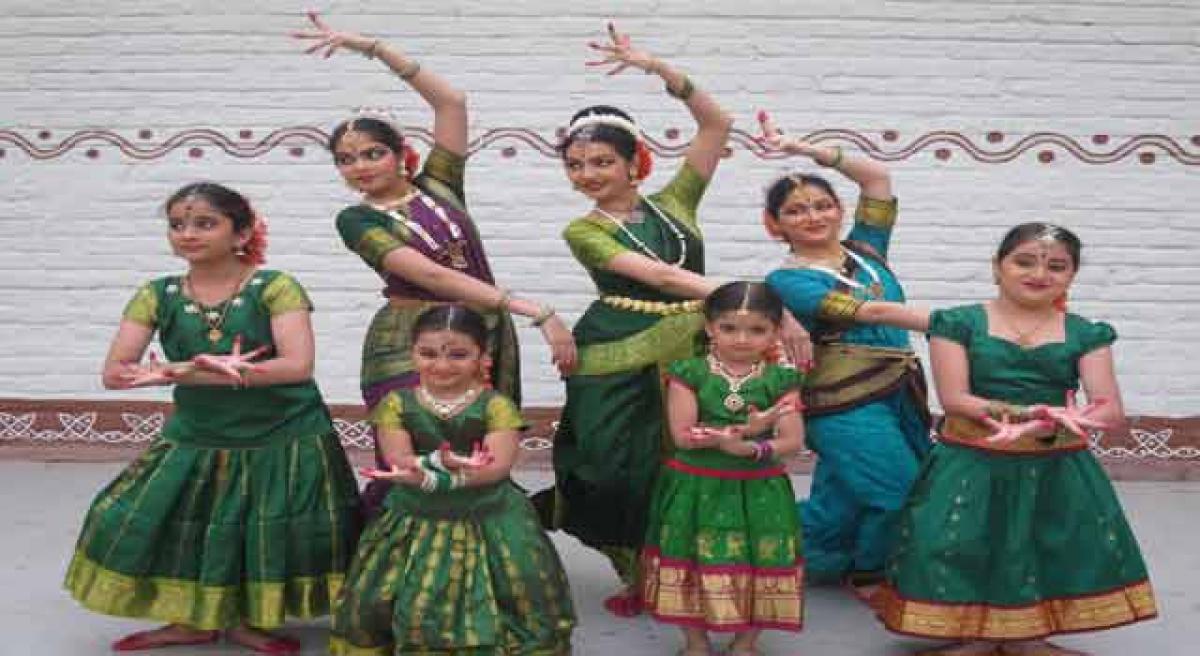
x=1071, y=416
x=772, y=137
x=407, y=469
x=758, y=422
x=620, y=51
x=154, y=372
x=233, y=366
x=329, y=39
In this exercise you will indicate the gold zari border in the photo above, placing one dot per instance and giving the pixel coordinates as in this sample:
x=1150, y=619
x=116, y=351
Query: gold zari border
x=876, y=213
x=839, y=307
x=205, y=607
x=672, y=338
x=724, y=600
x=982, y=621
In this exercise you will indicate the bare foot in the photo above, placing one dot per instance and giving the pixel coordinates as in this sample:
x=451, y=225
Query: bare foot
x=164, y=636
x=263, y=642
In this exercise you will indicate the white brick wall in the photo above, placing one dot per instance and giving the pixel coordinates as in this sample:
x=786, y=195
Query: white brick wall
x=77, y=234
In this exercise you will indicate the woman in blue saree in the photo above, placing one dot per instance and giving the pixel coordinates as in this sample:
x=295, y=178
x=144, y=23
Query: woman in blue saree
x=866, y=413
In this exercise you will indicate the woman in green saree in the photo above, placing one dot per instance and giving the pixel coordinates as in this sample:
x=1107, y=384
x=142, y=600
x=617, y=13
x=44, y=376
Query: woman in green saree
x=245, y=510
x=646, y=256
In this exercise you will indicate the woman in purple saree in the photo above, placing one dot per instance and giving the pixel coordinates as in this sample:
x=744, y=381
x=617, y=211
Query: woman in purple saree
x=413, y=228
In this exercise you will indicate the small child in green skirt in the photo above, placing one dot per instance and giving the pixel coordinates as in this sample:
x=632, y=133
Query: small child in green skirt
x=245, y=510
x=1013, y=532
x=456, y=563
x=723, y=547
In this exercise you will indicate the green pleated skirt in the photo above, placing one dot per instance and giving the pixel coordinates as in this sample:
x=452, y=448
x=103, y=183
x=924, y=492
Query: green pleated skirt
x=1013, y=547
x=468, y=571
x=723, y=550
x=607, y=451
x=214, y=538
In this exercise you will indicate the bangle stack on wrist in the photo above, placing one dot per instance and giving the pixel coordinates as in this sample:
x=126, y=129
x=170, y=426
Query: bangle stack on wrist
x=837, y=158
x=543, y=315
x=685, y=90
x=410, y=71
x=502, y=302
x=762, y=450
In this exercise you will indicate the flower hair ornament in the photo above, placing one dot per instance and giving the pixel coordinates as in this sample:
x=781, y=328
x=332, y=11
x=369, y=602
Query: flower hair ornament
x=584, y=129
x=254, y=251
x=408, y=156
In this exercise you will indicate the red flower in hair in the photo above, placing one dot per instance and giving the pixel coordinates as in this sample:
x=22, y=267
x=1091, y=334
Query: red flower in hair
x=645, y=161
x=412, y=160
x=255, y=249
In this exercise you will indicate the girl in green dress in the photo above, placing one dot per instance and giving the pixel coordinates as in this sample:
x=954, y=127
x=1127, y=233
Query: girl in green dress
x=1013, y=532
x=456, y=562
x=245, y=510
x=723, y=545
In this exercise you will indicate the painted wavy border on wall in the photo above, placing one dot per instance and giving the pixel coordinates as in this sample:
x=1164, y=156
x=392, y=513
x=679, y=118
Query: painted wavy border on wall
x=888, y=145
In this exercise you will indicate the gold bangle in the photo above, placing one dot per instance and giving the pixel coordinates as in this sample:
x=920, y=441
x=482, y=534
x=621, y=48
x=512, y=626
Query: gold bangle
x=410, y=71
x=369, y=53
x=502, y=302
x=837, y=158
x=684, y=91
x=543, y=315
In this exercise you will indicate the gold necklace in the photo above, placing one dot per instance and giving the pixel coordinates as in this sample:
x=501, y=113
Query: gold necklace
x=734, y=401
x=444, y=409
x=1024, y=338
x=212, y=318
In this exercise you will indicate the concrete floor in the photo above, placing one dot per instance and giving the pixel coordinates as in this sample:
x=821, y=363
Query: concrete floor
x=43, y=504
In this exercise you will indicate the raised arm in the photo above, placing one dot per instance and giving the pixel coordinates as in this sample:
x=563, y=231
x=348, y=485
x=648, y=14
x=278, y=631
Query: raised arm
x=874, y=180
x=449, y=105
x=712, y=121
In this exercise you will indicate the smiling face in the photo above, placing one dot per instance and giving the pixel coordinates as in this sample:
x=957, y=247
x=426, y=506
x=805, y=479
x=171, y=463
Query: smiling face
x=200, y=234
x=368, y=166
x=741, y=336
x=598, y=171
x=808, y=218
x=448, y=362
x=1035, y=273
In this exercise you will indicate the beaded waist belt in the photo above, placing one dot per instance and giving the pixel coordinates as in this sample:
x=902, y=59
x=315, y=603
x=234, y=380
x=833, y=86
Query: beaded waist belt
x=652, y=307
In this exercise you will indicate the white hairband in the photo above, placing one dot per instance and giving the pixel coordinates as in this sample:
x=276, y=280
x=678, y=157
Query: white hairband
x=610, y=120
x=381, y=114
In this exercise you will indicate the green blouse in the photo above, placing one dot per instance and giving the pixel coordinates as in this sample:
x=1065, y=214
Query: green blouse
x=489, y=412
x=1005, y=371
x=762, y=392
x=613, y=339
x=217, y=416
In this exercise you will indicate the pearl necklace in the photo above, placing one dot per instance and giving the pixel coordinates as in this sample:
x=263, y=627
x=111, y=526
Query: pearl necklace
x=456, y=247
x=873, y=291
x=444, y=409
x=679, y=236
x=734, y=401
